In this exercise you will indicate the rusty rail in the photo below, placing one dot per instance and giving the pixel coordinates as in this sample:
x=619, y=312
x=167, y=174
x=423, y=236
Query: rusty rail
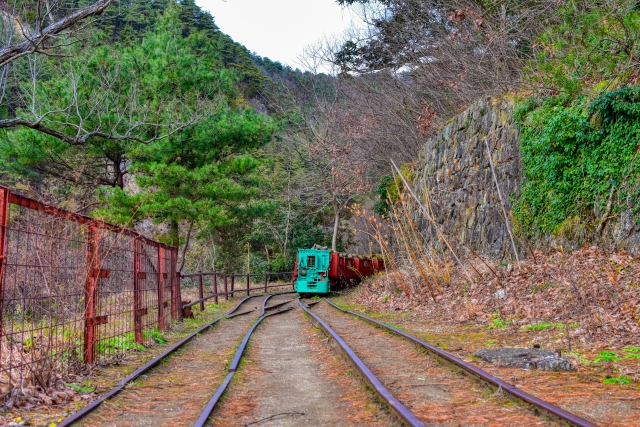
x=402, y=411
x=144, y=368
x=233, y=367
x=547, y=407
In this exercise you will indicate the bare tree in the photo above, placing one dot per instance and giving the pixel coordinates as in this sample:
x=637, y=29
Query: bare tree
x=325, y=140
x=44, y=32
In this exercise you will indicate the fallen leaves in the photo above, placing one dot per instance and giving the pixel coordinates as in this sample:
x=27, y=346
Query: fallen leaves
x=600, y=291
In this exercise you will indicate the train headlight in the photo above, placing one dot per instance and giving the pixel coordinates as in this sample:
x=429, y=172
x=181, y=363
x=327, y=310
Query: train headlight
x=303, y=272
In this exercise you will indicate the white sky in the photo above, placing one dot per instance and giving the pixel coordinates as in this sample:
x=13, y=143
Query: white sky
x=278, y=29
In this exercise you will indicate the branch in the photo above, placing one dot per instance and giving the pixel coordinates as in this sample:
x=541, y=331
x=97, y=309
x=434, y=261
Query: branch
x=35, y=42
x=81, y=140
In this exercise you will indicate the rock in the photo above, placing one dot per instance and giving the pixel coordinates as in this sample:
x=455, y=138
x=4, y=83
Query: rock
x=526, y=358
x=500, y=294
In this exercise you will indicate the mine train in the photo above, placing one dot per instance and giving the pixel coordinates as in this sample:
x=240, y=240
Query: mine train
x=319, y=270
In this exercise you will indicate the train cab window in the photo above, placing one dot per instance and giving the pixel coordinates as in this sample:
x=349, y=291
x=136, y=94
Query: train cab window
x=311, y=261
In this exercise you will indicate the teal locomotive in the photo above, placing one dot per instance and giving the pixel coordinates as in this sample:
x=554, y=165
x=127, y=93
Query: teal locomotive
x=319, y=270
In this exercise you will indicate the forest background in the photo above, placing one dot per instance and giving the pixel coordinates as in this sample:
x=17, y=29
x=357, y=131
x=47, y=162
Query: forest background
x=147, y=115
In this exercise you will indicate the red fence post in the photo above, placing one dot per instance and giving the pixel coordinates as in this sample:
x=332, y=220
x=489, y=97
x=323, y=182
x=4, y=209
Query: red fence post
x=4, y=222
x=226, y=294
x=200, y=290
x=233, y=281
x=162, y=271
x=215, y=287
x=266, y=281
x=248, y=286
x=91, y=295
x=137, y=297
x=176, y=297
x=172, y=274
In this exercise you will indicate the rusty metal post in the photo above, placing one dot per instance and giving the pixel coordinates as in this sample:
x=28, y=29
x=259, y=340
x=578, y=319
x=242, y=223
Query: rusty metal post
x=162, y=274
x=91, y=296
x=178, y=284
x=233, y=281
x=4, y=222
x=266, y=281
x=176, y=299
x=248, y=285
x=215, y=287
x=200, y=290
x=137, y=293
x=226, y=295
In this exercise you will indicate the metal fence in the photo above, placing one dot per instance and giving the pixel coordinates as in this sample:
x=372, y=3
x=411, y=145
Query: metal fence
x=224, y=285
x=75, y=290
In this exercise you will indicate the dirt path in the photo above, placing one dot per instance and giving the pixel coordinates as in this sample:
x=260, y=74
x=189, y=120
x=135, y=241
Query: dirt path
x=436, y=395
x=174, y=393
x=292, y=378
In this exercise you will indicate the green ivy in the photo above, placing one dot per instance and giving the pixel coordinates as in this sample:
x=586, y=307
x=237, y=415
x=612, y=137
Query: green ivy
x=577, y=154
x=389, y=189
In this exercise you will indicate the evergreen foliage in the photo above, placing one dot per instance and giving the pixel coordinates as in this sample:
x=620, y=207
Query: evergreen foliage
x=580, y=159
x=580, y=139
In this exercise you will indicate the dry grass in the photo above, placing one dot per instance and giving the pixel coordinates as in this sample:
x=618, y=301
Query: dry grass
x=593, y=291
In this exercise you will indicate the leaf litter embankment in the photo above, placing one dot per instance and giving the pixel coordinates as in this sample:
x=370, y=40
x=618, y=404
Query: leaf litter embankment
x=584, y=304
x=598, y=294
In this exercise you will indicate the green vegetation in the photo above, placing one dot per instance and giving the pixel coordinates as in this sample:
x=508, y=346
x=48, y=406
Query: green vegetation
x=547, y=325
x=389, y=190
x=579, y=161
x=607, y=356
x=588, y=43
x=622, y=379
x=84, y=389
x=583, y=360
x=155, y=335
x=632, y=352
x=499, y=323
x=579, y=141
x=124, y=342
x=151, y=114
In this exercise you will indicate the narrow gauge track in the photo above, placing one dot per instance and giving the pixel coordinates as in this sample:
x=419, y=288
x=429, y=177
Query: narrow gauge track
x=121, y=385
x=233, y=367
x=401, y=410
x=408, y=416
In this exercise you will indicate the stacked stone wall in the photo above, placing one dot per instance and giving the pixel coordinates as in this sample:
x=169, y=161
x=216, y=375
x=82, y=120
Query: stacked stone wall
x=454, y=167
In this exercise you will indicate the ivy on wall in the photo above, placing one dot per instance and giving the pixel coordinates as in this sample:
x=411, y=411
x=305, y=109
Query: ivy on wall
x=580, y=161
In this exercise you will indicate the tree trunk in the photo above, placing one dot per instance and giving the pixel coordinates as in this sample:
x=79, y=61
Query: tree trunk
x=336, y=224
x=174, y=233
x=119, y=175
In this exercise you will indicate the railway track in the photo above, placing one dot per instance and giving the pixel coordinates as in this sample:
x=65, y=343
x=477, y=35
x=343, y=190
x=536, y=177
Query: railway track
x=233, y=367
x=411, y=402
x=243, y=308
x=404, y=371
